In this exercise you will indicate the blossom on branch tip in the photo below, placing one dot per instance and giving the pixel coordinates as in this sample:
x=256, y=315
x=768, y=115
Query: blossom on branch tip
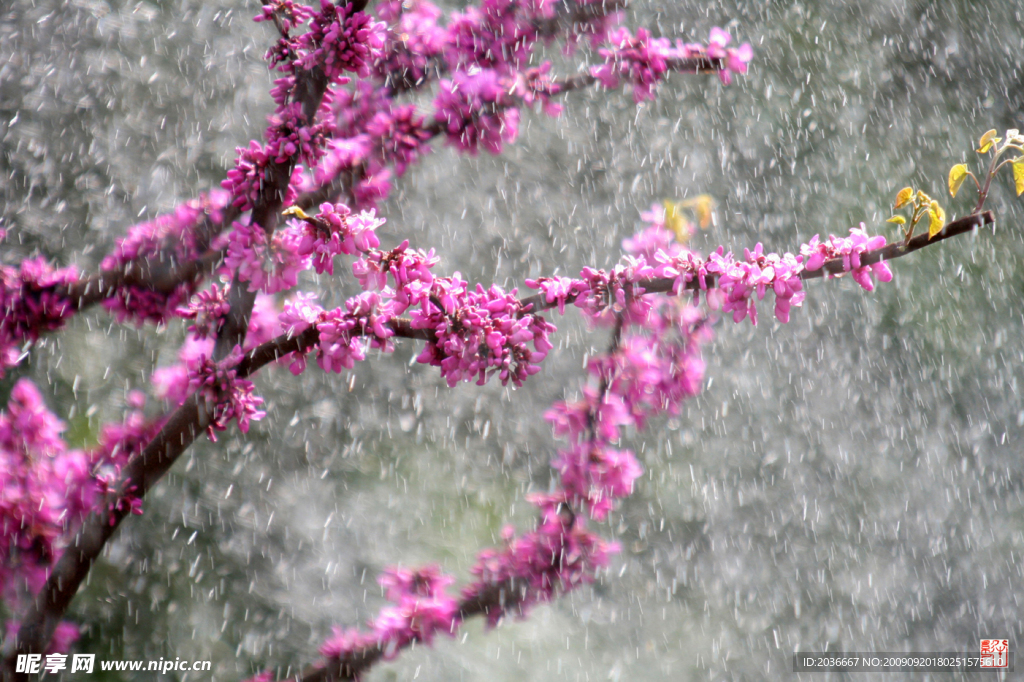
x=286, y=14
x=341, y=39
x=735, y=61
x=641, y=60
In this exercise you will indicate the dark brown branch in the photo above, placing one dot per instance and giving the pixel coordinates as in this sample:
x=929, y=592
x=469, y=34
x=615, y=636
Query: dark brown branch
x=350, y=667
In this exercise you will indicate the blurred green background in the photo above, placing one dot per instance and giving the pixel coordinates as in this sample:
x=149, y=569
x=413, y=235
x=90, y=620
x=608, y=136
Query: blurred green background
x=850, y=481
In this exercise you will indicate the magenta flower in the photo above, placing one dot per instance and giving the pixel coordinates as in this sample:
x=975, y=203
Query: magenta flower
x=341, y=40
x=641, y=60
x=735, y=61
x=400, y=136
x=477, y=111
x=31, y=303
x=230, y=396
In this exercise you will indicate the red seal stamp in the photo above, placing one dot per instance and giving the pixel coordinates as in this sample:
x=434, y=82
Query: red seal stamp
x=994, y=653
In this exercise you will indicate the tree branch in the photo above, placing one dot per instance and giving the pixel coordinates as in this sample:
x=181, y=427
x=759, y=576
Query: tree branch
x=350, y=667
x=191, y=418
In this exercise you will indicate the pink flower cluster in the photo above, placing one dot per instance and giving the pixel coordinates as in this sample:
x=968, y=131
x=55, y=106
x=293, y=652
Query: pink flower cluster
x=344, y=334
x=740, y=281
x=47, y=489
x=736, y=61
x=477, y=111
x=335, y=230
x=401, y=137
x=643, y=60
x=232, y=397
x=207, y=309
x=480, y=332
x=733, y=285
x=246, y=180
x=32, y=302
x=849, y=249
x=559, y=556
x=172, y=383
x=647, y=374
x=601, y=295
x=413, y=44
x=169, y=238
x=339, y=40
x=422, y=608
x=266, y=268
x=477, y=332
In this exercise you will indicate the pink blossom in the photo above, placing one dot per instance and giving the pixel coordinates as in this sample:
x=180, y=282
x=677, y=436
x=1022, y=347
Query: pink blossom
x=345, y=334
x=735, y=61
x=230, y=396
x=479, y=332
x=477, y=111
x=333, y=231
x=596, y=474
x=266, y=269
x=33, y=301
x=206, y=309
x=641, y=60
x=246, y=180
x=414, y=42
x=341, y=40
x=401, y=137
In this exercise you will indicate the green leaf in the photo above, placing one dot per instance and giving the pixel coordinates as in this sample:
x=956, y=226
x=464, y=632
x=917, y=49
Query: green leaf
x=903, y=197
x=898, y=219
x=936, y=219
x=1018, y=175
x=957, y=175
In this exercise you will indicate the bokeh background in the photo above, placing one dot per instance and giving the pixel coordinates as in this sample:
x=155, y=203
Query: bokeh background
x=850, y=481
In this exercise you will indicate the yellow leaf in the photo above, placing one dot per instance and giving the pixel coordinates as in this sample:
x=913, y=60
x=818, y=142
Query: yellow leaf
x=675, y=221
x=986, y=142
x=1018, y=175
x=898, y=219
x=702, y=206
x=936, y=220
x=903, y=197
x=957, y=175
x=295, y=211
